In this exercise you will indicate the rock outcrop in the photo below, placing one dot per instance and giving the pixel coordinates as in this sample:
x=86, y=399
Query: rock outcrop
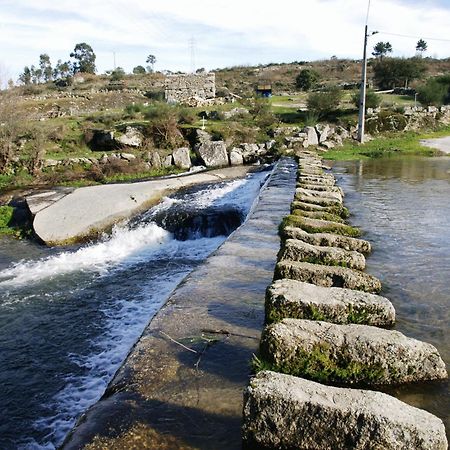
x=285, y=412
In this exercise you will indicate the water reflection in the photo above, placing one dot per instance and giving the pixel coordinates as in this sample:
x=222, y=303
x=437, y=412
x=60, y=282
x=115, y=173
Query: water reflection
x=403, y=207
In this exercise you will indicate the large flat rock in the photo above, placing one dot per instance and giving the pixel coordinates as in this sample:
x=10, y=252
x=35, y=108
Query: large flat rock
x=333, y=195
x=327, y=276
x=349, y=353
x=298, y=250
x=297, y=300
x=76, y=215
x=328, y=240
x=325, y=178
x=285, y=412
x=320, y=226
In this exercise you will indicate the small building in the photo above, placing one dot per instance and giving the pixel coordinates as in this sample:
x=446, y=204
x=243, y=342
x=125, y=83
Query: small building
x=264, y=90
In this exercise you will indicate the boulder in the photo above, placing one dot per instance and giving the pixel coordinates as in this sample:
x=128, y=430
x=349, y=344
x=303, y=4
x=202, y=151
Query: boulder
x=127, y=156
x=286, y=412
x=203, y=137
x=236, y=158
x=311, y=137
x=327, y=276
x=181, y=158
x=167, y=161
x=132, y=137
x=212, y=153
x=154, y=159
x=350, y=354
x=323, y=131
x=328, y=145
x=297, y=300
x=297, y=250
x=328, y=240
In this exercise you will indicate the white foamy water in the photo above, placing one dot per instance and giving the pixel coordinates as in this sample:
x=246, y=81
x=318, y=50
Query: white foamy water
x=123, y=245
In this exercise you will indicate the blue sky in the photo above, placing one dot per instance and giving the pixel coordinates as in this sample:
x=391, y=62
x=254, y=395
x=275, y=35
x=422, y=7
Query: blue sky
x=226, y=32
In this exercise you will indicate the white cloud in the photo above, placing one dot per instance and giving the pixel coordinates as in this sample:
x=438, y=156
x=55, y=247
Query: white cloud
x=227, y=31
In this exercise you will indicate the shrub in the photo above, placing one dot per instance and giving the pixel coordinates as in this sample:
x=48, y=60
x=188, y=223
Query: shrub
x=373, y=100
x=435, y=92
x=392, y=72
x=324, y=102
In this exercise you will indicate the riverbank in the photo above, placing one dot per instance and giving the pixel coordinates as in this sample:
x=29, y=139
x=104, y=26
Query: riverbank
x=64, y=216
x=181, y=385
x=405, y=143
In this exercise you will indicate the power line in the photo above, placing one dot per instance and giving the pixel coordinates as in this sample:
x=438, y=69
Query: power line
x=414, y=37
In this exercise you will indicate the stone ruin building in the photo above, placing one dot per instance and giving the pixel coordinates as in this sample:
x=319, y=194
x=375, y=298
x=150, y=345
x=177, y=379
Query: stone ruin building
x=184, y=88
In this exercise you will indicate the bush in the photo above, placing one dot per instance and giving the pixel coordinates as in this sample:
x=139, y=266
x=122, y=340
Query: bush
x=307, y=79
x=435, y=92
x=324, y=102
x=392, y=72
x=373, y=100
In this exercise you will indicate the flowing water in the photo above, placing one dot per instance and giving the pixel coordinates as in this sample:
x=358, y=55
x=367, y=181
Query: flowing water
x=403, y=206
x=68, y=317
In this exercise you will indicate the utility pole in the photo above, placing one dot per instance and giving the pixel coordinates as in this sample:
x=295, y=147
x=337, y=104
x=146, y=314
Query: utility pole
x=362, y=95
x=362, y=92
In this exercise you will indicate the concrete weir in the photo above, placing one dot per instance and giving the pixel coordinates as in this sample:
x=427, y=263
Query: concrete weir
x=181, y=386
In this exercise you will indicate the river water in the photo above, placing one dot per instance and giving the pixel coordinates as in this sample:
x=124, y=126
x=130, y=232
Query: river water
x=68, y=317
x=403, y=207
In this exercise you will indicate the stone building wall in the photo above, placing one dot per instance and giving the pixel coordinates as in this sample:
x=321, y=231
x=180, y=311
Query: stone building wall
x=180, y=88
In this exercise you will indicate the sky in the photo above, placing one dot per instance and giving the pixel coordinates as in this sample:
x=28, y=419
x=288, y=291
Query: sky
x=224, y=32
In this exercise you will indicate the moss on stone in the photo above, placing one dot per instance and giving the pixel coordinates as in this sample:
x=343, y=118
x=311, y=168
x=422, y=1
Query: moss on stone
x=322, y=215
x=321, y=365
x=338, y=228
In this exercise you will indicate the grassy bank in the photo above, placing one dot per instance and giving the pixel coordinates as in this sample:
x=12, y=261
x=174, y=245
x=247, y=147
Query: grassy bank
x=401, y=143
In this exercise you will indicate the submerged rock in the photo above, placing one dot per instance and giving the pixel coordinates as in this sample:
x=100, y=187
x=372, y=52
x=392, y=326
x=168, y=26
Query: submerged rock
x=297, y=300
x=352, y=353
x=297, y=250
x=327, y=239
x=285, y=412
x=327, y=276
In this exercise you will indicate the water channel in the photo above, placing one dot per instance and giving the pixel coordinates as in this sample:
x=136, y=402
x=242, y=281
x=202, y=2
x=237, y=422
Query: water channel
x=68, y=317
x=403, y=207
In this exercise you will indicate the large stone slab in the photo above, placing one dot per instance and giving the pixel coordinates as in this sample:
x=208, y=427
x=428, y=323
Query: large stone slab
x=322, y=215
x=297, y=300
x=320, y=226
x=317, y=200
x=334, y=194
x=212, y=153
x=182, y=158
x=327, y=276
x=327, y=239
x=349, y=353
x=339, y=210
x=323, y=179
x=285, y=412
x=297, y=250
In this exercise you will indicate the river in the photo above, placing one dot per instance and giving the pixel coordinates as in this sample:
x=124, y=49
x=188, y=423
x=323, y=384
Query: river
x=68, y=317
x=403, y=207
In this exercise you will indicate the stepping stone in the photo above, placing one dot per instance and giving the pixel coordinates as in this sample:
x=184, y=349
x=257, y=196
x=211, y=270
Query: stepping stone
x=322, y=215
x=335, y=209
x=286, y=412
x=348, y=354
x=297, y=300
x=320, y=226
x=322, y=201
x=327, y=276
x=320, y=187
x=323, y=179
x=334, y=195
x=296, y=250
x=327, y=240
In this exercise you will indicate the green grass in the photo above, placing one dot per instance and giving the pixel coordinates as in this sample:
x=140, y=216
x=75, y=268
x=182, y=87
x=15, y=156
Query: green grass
x=401, y=143
x=6, y=214
x=143, y=175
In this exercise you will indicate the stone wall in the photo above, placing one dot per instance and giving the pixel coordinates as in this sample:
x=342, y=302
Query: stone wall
x=181, y=88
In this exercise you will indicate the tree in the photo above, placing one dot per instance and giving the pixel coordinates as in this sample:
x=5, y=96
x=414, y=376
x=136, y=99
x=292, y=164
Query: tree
x=117, y=74
x=421, y=47
x=138, y=70
x=307, y=79
x=25, y=76
x=151, y=59
x=324, y=102
x=62, y=69
x=394, y=72
x=381, y=49
x=85, y=56
x=46, y=67
x=436, y=91
x=36, y=74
